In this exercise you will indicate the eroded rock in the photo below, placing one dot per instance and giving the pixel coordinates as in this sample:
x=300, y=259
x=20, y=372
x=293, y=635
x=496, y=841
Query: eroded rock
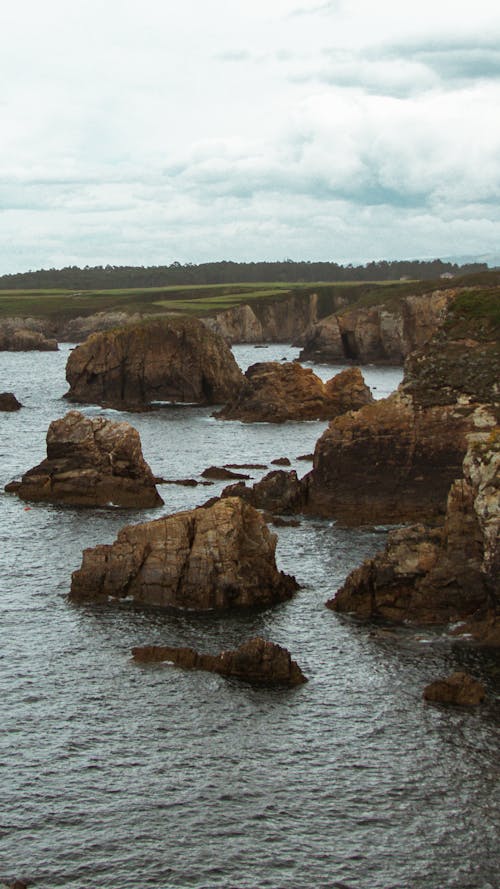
x=278, y=492
x=215, y=557
x=274, y=393
x=459, y=688
x=90, y=462
x=9, y=402
x=175, y=360
x=257, y=660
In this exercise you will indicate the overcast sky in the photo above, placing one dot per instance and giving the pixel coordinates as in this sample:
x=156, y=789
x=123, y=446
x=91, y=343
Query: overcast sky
x=151, y=131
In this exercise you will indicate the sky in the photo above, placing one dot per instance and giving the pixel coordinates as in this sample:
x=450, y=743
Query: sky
x=146, y=132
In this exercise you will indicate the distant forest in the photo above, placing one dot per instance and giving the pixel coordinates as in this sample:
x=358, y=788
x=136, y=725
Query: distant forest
x=111, y=276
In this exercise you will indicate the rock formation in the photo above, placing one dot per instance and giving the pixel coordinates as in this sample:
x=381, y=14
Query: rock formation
x=218, y=557
x=382, y=334
x=278, y=492
x=440, y=575
x=16, y=336
x=177, y=360
x=394, y=460
x=258, y=661
x=274, y=393
x=280, y=321
x=90, y=462
x=459, y=688
x=9, y=402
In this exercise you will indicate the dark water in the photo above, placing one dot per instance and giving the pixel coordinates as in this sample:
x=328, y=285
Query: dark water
x=120, y=776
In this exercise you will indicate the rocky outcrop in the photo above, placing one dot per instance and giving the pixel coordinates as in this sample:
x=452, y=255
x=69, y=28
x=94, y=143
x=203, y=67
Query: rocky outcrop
x=440, y=575
x=177, y=360
x=459, y=688
x=278, y=321
x=395, y=460
x=221, y=473
x=90, y=462
x=382, y=334
x=278, y=492
x=257, y=661
x=218, y=557
x=9, y=402
x=21, y=338
x=275, y=392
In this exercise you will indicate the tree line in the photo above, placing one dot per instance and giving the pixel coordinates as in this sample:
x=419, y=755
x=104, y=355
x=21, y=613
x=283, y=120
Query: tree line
x=225, y=272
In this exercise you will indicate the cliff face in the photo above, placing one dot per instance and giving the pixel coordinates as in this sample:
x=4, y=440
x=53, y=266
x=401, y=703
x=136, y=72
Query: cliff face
x=278, y=322
x=25, y=335
x=169, y=360
x=377, y=334
x=438, y=575
x=395, y=460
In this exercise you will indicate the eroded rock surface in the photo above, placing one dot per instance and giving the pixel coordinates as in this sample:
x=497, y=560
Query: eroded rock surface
x=275, y=392
x=394, y=460
x=256, y=661
x=90, y=462
x=445, y=574
x=459, y=688
x=177, y=360
x=23, y=339
x=218, y=557
x=278, y=492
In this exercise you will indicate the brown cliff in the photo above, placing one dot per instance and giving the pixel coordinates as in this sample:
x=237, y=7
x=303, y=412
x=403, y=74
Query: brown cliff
x=17, y=336
x=275, y=392
x=90, y=462
x=177, y=360
x=445, y=574
x=257, y=661
x=218, y=557
x=395, y=460
x=381, y=334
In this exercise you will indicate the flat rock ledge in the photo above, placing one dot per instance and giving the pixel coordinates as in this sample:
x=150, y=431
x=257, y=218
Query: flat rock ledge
x=90, y=462
x=217, y=557
x=9, y=402
x=459, y=688
x=256, y=661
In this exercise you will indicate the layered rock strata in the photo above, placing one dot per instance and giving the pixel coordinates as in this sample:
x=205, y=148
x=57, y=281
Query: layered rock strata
x=441, y=575
x=177, y=360
x=218, y=557
x=274, y=393
x=257, y=661
x=395, y=460
x=377, y=334
x=90, y=462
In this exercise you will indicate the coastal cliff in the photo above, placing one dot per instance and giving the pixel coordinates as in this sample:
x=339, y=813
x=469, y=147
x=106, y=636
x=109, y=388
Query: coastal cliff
x=394, y=460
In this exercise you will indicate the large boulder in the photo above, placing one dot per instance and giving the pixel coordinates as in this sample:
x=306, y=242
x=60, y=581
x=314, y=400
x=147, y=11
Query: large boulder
x=218, y=557
x=257, y=660
x=394, y=460
x=438, y=575
x=276, y=392
x=90, y=462
x=177, y=359
x=9, y=402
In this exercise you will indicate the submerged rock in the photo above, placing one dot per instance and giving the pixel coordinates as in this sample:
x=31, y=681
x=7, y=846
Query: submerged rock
x=274, y=393
x=459, y=688
x=215, y=557
x=90, y=462
x=9, y=402
x=256, y=661
x=221, y=473
x=177, y=359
